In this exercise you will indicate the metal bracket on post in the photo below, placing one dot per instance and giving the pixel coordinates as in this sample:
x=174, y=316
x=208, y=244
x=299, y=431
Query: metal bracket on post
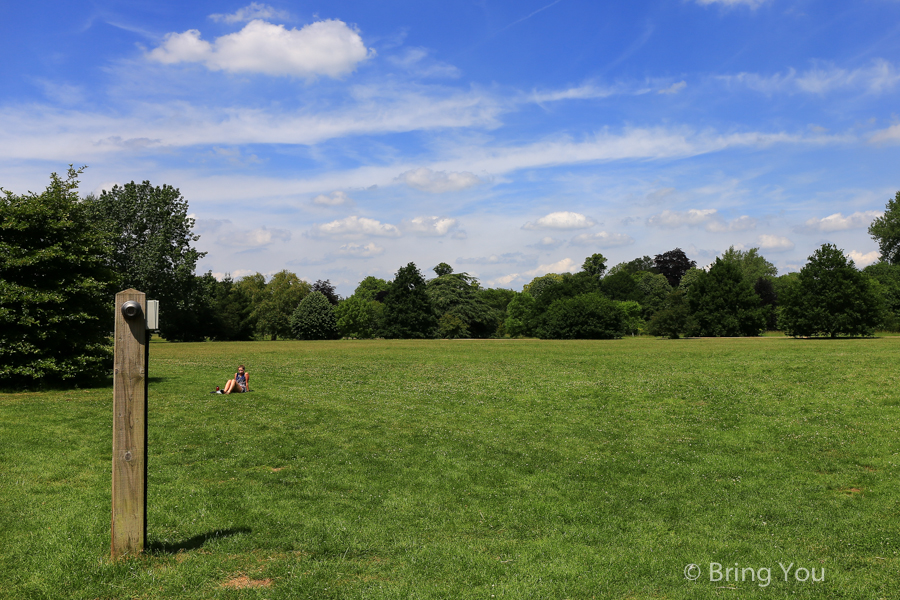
x=129, y=460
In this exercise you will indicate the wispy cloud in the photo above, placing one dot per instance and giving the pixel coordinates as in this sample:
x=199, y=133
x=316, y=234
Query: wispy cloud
x=254, y=10
x=775, y=243
x=708, y=218
x=253, y=238
x=439, y=182
x=430, y=226
x=336, y=198
x=878, y=77
x=602, y=239
x=369, y=250
x=839, y=222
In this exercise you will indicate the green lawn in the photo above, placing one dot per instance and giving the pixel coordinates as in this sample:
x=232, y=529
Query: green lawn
x=473, y=469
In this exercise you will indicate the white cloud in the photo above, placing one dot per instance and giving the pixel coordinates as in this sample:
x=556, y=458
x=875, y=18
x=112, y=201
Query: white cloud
x=328, y=48
x=775, y=243
x=584, y=92
x=891, y=134
x=438, y=182
x=254, y=10
x=360, y=251
x=864, y=260
x=354, y=227
x=708, y=218
x=547, y=243
x=878, y=77
x=561, y=220
x=418, y=62
x=602, y=239
x=337, y=198
x=255, y=238
x=499, y=259
x=838, y=222
x=674, y=88
x=560, y=266
x=430, y=226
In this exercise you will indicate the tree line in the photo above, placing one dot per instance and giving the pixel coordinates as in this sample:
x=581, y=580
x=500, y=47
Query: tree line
x=63, y=257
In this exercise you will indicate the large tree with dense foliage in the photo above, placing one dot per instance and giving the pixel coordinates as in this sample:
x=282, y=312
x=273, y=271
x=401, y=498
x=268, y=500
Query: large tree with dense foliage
x=520, y=317
x=314, y=318
x=829, y=298
x=723, y=303
x=55, y=289
x=232, y=306
x=886, y=231
x=887, y=277
x=594, y=265
x=751, y=263
x=586, y=316
x=408, y=312
x=152, y=249
x=460, y=308
x=277, y=303
x=673, y=265
x=673, y=318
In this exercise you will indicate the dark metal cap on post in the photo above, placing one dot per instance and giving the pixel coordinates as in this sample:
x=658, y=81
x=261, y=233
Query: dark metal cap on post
x=131, y=310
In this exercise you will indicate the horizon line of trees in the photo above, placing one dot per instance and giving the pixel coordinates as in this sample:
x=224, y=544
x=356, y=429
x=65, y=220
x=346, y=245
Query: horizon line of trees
x=63, y=257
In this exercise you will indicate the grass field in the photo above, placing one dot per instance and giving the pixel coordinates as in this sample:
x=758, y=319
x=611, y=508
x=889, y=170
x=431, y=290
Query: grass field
x=473, y=469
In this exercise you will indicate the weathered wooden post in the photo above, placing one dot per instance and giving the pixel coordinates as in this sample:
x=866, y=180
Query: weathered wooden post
x=129, y=462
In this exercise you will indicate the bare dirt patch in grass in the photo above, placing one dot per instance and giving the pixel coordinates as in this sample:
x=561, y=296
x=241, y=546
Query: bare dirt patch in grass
x=242, y=582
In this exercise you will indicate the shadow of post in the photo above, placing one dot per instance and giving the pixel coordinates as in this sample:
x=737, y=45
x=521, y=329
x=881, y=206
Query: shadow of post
x=193, y=543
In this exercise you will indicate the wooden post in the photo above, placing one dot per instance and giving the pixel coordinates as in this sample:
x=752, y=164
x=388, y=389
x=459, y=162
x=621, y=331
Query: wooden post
x=129, y=460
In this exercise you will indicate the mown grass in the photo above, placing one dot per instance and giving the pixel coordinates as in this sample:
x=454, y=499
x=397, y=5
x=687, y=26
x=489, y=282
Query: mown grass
x=471, y=469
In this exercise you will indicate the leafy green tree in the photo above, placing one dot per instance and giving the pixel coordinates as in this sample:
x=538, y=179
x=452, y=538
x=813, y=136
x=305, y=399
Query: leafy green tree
x=232, y=306
x=632, y=267
x=55, y=290
x=520, y=317
x=621, y=286
x=689, y=279
x=151, y=250
x=885, y=230
x=632, y=314
x=567, y=286
x=443, y=269
x=587, y=316
x=654, y=289
x=673, y=319
x=768, y=300
x=888, y=278
x=457, y=294
x=751, y=263
x=408, y=312
x=327, y=289
x=673, y=265
x=314, y=318
x=372, y=288
x=451, y=327
x=358, y=317
x=281, y=297
x=723, y=303
x=830, y=298
x=536, y=286
x=497, y=298
x=594, y=265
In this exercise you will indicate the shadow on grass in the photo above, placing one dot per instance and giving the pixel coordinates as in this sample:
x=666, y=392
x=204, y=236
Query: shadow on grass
x=193, y=543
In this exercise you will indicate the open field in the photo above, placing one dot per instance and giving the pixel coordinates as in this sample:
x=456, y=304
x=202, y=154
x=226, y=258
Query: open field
x=473, y=469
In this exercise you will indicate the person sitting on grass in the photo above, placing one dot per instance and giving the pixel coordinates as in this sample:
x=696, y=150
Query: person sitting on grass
x=240, y=383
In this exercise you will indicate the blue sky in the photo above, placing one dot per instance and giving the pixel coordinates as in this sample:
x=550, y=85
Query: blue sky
x=509, y=139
